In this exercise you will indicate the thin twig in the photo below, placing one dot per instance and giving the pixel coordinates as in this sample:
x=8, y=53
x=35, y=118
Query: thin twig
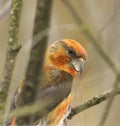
x=37, y=107
x=5, y=10
x=109, y=103
x=34, y=69
x=12, y=51
x=96, y=40
x=94, y=101
x=112, y=17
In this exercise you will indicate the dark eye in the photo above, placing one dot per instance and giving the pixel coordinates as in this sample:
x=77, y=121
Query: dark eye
x=71, y=52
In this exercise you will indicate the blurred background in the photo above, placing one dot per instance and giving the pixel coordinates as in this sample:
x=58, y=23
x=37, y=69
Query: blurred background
x=69, y=19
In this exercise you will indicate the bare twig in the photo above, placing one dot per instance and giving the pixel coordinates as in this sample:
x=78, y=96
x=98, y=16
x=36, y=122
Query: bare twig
x=12, y=51
x=5, y=10
x=113, y=16
x=109, y=103
x=94, y=101
x=37, y=107
x=96, y=42
x=34, y=69
x=94, y=39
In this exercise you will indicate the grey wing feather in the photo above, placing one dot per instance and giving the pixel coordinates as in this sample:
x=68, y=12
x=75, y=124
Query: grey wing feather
x=50, y=96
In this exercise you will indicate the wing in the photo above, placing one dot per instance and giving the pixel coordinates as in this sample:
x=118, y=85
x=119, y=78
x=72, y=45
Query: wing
x=51, y=96
x=57, y=88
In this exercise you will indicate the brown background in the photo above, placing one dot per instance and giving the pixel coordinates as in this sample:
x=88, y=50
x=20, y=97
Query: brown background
x=103, y=19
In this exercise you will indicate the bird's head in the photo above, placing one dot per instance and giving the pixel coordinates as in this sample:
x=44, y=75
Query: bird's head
x=67, y=55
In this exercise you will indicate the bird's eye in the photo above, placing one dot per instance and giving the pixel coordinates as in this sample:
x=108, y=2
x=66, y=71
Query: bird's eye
x=71, y=52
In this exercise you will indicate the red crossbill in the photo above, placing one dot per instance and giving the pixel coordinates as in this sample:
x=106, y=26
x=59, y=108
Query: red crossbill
x=64, y=59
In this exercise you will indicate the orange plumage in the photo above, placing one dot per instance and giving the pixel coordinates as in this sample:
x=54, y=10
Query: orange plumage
x=63, y=60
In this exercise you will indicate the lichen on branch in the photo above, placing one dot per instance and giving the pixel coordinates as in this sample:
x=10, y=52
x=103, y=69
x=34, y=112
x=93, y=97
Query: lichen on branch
x=12, y=51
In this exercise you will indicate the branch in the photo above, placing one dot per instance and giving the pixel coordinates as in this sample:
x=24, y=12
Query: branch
x=94, y=101
x=37, y=107
x=96, y=40
x=109, y=103
x=5, y=10
x=91, y=37
x=12, y=51
x=34, y=69
x=112, y=18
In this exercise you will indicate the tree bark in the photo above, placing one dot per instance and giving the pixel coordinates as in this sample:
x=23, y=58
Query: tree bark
x=12, y=51
x=34, y=69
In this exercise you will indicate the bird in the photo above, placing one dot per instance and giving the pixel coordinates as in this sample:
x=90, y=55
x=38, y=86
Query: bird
x=64, y=60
